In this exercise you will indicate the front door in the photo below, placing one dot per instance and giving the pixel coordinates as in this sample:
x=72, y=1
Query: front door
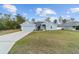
x=39, y=28
x=44, y=27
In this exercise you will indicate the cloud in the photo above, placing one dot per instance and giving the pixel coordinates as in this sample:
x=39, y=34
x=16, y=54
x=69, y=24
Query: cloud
x=68, y=12
x=10, y=8
x=24, y=14
x=74, y=10
x=45, y=11
x=67, y=16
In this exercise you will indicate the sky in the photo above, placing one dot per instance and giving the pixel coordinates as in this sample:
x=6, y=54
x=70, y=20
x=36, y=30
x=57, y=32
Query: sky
x=41, y=11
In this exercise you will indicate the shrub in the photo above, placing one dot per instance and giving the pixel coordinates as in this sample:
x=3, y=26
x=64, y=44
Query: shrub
x=77, y=27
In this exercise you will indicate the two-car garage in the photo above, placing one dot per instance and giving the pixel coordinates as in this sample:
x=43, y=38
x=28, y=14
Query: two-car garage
x=27, y=27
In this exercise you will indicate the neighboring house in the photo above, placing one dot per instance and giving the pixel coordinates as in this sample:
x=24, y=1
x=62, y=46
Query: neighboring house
x=69, y=25
x=48, y=26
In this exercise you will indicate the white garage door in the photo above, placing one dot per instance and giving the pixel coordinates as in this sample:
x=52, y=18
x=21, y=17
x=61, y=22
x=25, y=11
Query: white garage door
x=27, y=28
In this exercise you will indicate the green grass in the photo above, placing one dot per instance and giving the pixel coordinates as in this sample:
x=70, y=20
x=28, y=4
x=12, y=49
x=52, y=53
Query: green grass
x=48, y=42
x=8, y=31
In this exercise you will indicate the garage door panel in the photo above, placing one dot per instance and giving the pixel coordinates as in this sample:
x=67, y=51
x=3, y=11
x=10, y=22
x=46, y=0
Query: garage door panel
x=28, y=28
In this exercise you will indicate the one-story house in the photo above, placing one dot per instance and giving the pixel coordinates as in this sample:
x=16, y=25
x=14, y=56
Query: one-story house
x=69, y=25
x=38, y=26
x=30, y=26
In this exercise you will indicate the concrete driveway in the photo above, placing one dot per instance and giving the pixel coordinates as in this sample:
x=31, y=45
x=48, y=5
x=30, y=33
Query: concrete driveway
x=8, y=40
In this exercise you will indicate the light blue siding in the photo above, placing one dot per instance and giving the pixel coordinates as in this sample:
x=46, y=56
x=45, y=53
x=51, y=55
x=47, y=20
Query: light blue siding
x=50, y=26
x=32, y=26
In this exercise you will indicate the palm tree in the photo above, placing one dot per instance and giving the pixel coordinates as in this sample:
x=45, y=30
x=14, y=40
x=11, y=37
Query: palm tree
x=55, y=21
x=60, y=19
x=72, y=19
x=47, y=19
x=64, y=21
x=33, y=20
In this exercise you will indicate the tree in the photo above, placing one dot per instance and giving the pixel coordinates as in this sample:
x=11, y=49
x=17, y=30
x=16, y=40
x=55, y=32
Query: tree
x=33, y=20
x=8, y=22
x=47, y=19
x=55, y=21
x=72, y=19
x=2, y=26
x=11, y=24
x=15, y=25
x=20, y=19
x=60, y=19
x=77, y=27
x=0, y=15
x=7, y=16
x=64, y=21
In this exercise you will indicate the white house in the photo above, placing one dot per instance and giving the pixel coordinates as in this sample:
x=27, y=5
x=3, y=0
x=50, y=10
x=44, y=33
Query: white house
x=38, y=26
x=69, y=25
x=48, y=26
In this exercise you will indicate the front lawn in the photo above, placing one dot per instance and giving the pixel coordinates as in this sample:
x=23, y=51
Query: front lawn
x=46, y=42
x=2, y=32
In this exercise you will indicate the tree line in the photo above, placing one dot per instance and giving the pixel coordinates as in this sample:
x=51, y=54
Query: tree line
x=61, y=20
x=8, y=21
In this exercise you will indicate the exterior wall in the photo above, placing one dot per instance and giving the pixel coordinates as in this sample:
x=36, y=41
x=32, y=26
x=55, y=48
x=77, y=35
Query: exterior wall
x=69, y=28
x=28, y=27
x=59, y=28
x=50, y=26
x=32, y=27
x=69, y=25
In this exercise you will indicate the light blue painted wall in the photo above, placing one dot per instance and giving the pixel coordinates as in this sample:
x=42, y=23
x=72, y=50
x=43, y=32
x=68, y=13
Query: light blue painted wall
x=31, y=26
x=48, y=26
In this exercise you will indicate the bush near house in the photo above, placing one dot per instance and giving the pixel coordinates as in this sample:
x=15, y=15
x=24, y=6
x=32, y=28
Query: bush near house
x=77, y=27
